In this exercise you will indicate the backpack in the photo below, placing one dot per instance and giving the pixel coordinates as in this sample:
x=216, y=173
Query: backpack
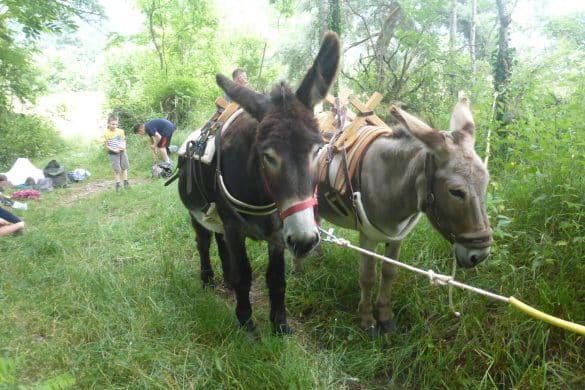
x=56, y=172
x=161, y=170
x=44, y=185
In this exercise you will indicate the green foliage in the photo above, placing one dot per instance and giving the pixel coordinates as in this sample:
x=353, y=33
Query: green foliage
x=17, y=73
x=569, y=28
x=31, y=19
x=172, y=81
x=26, y=136
x=67, y=66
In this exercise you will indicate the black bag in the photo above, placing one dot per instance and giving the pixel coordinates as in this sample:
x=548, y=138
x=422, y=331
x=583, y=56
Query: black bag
x=56, y=172
x=161, y=170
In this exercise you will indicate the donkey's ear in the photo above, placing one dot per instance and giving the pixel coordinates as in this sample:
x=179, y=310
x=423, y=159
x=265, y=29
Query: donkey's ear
x=254, y=103
x=433, y=139
x=320, y=76
x=461, y=119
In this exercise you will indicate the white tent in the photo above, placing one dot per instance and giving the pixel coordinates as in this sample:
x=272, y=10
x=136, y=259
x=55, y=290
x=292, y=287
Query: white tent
x=23, y=169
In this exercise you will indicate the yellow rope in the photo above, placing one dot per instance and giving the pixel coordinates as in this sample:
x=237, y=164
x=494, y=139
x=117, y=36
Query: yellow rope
x=567, y=325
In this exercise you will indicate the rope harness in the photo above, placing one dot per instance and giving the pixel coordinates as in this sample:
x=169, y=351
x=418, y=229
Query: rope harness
x=478, y=239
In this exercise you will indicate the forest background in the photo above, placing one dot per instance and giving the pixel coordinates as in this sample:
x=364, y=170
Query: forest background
x=520, y=62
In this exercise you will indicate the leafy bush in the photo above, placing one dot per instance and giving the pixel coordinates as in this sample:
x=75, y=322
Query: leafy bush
x=176, y=98
x=26, y=136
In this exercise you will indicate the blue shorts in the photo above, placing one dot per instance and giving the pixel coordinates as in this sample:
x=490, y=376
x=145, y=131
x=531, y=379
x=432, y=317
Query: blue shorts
x=7, y=215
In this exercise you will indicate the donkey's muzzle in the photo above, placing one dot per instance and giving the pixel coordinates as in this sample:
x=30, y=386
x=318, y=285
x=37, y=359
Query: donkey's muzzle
x=468, y=257
x=472, y=248
x=302, y=246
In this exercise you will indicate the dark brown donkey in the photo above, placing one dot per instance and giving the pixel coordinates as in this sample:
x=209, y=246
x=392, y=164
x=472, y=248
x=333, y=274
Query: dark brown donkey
x=262, y=183
x=412, y=170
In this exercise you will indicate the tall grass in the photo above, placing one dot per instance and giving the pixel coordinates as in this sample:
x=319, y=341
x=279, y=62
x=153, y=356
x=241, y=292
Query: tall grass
x=103, y=291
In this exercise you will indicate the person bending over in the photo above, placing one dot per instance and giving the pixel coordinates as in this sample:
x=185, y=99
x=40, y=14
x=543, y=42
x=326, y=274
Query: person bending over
x=160, y=132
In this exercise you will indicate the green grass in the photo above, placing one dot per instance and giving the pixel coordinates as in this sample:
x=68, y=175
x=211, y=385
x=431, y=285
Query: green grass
x=104, y=292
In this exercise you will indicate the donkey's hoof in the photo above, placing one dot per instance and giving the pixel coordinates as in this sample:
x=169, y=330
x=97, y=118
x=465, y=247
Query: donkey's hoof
x=387, y=326
x=207, y=278
x=252, y=335
x=227, y=285
x=208, y=284
x=283, y=330
x=251, y=332
x=372, y=331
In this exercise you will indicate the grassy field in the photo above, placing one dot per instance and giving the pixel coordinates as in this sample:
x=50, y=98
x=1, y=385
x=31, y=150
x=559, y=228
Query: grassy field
x=103, y=291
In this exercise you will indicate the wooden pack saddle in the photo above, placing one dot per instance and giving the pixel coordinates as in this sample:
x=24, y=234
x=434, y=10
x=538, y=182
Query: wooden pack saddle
x=349, y=140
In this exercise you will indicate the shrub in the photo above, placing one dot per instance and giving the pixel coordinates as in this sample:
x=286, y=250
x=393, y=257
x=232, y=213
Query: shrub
x=26, y=136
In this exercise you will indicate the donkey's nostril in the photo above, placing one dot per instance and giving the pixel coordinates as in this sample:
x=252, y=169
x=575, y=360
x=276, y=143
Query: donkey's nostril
x=301, y=246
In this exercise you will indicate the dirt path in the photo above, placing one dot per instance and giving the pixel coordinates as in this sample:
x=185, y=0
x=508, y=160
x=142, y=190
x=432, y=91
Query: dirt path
x=84, y=190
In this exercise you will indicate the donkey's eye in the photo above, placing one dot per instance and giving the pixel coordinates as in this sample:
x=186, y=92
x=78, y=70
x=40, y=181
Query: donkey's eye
x=269, y=159
x=457, y=193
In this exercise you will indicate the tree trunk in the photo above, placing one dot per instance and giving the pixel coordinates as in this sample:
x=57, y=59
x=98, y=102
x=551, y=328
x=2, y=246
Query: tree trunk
x=453, y=25
x=452, y=43
x=503, y=68
x=383, y=44
x=153, y=34
x=472, y=49
x=335, y=25
x=323, y=17
x=335, y=16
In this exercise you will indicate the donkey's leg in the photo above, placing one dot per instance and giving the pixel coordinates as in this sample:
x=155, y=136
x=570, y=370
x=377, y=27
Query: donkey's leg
x=241, y=278
x=385, y=316
x=367, y=278
x=203, y=240
x=225, y=260
x=276, y=284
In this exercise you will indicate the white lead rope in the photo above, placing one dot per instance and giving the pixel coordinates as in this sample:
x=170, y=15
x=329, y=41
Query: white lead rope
x=434, y=278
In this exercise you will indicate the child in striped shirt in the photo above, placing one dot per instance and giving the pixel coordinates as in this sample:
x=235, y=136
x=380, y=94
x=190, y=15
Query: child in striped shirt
x=115, y=143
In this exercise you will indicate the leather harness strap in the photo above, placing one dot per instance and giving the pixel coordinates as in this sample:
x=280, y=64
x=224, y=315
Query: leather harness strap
x=354, y=155
x=236, y=204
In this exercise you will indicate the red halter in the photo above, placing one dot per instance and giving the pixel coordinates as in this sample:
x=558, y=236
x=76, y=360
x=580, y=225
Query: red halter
x=295, y=208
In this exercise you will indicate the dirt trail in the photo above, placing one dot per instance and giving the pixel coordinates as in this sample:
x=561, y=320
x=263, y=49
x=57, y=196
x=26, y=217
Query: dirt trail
x=83, y=190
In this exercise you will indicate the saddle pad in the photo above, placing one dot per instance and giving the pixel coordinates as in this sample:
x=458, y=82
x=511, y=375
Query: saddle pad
x=333, y=174
x=209, y=151
x=191, y=137
x=224, y=119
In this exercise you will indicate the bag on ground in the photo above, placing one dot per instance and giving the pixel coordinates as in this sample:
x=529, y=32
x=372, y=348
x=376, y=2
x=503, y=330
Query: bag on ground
x=56, y=172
